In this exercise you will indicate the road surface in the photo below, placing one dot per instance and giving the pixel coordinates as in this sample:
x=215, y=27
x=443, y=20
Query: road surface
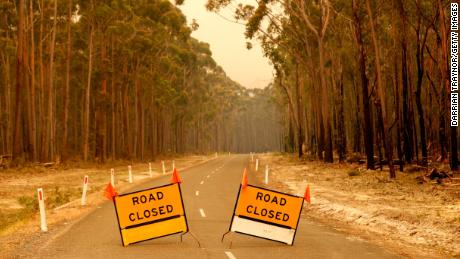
x=209, y=192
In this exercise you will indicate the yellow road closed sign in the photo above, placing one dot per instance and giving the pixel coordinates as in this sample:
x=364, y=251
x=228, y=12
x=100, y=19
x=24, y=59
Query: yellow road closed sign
x=150, y=213
x=267, y=214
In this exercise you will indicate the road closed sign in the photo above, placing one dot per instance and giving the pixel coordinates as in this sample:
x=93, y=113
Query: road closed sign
x=151, y=213
x=267, y=214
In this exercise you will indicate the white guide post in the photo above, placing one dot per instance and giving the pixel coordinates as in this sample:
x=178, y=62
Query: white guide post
x=85, y=189
x=266, y=174
x=112, y=177
x=41, y=205
x=163, y=167
x=130, y=174
x=150, y=169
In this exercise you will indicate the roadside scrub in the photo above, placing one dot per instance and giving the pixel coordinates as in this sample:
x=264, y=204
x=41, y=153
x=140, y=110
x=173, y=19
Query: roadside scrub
x=415, y=219
x=62, y=187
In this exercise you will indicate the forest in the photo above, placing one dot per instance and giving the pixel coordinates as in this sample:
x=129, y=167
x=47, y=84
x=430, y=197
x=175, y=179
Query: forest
x=358, y=77
x=97, y=80
x=353, y=80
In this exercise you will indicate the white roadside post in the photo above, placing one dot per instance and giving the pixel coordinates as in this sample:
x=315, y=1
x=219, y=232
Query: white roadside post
x=163, y=167
x=150, y=169
x=41, y=205
x=216, y=155
x=266, y=174
x=112, y=177
x=257, y=164
x=252, y=156
x=85, y=189
x=130, y=174
x=173, y=165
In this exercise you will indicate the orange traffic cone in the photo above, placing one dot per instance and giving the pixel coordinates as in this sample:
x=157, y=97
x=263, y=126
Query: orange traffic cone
x=110, y=192
x=244, y=180
x=306, y=196
x=175, y=177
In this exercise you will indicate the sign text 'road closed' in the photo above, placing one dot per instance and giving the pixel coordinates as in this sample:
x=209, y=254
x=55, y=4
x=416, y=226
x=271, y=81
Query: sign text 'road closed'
x=267, y=214
x=150, y=213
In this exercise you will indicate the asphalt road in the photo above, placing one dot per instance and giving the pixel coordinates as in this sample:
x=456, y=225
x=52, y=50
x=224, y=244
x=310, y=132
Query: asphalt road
x=209, y=192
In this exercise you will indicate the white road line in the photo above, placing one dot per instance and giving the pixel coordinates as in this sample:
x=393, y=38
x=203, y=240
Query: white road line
x=197, y=193
x=202, y=213
x=230, y=255
x=202, y=182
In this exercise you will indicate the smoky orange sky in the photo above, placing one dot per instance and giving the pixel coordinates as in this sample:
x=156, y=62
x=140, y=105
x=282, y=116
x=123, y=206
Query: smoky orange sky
x=228, y=44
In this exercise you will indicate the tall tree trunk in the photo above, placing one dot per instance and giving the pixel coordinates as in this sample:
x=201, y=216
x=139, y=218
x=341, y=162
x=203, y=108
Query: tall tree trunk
x=114, y=119
x=17, y=143
x=444, y=66
x=407, y=122
x=88, y=95
x=367, y=108
x=50, y=131
x=32, y=118
x=300, y=134
x=65, y=119
x=101, y=115
x=342, y=143
x=328, y=155
x=386, y=133
x=41, y=96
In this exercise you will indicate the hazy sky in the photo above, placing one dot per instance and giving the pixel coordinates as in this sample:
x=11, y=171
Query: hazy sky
x=228, y=45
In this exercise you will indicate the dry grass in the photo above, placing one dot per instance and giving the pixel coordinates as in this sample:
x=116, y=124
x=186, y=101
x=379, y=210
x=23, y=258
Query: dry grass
x=62, y=187
x=425, y=216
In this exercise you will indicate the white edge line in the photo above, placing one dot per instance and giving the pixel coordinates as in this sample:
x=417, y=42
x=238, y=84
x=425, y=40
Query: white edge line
x=202, y=213
x=197, y=193
x=230, y=255
x=202, y=182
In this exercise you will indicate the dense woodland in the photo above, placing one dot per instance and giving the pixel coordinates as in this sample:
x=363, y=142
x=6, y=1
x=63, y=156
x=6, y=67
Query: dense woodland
x=98, y=80
x=358, y=76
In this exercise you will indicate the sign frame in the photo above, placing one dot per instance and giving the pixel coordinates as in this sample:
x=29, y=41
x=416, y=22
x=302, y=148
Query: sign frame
x=155, y=221
x=261, y=221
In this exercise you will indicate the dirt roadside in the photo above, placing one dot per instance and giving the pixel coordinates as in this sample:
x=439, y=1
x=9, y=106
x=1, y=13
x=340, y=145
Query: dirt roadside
x=62, y=190
x=411, y=219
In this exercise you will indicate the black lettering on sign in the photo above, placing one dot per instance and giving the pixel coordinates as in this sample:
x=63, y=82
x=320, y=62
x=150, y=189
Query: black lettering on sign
x=131, y=218
x=267, y=213
x=267, y=198
x=143, y=199
x=151, y=213
x=154, y=212
x=278, y=215
x=264, y=212
x=285, y=217
x=161, y=209
x=283, y=201
x=259, y=196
